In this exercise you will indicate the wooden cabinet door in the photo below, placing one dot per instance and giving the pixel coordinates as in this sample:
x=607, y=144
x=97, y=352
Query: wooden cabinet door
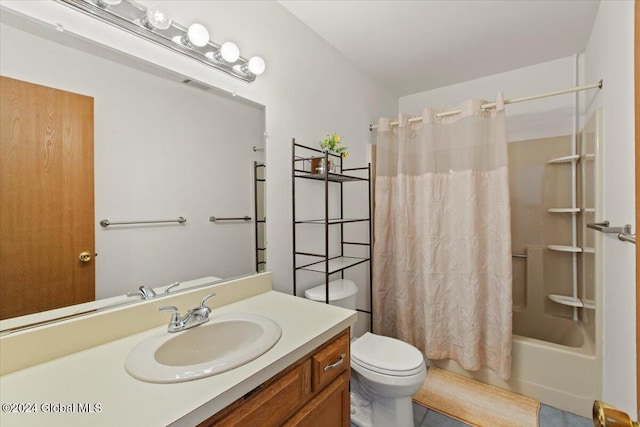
x=46, y=198
x=272, y=403
x=329, y=408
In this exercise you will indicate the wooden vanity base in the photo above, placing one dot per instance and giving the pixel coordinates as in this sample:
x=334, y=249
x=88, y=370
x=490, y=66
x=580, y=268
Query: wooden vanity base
x=314, y=391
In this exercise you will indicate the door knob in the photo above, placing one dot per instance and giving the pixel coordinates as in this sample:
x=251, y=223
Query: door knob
x=85, y=257
x=607, y=416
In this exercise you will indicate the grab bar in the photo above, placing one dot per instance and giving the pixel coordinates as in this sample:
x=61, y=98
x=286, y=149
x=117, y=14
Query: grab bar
x=624, y=233
x=106, y=222
x=216, y=219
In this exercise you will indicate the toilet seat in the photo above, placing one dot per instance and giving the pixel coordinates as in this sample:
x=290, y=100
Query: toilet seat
x=386, y=355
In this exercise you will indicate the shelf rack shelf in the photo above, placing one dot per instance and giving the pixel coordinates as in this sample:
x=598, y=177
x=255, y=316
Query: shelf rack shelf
x=332, y=177
x=336, y=264
x=324, y=263
x=563, y=210
x=332, y=221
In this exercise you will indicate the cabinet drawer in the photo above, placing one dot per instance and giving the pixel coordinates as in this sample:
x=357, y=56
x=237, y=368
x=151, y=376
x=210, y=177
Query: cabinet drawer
x=274, y=403
x=330, y=361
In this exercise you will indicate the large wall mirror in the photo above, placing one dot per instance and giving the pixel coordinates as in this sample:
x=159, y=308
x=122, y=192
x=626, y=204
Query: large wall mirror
x=89, y=134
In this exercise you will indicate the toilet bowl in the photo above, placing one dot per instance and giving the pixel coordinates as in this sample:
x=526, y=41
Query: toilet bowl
x=385, y=374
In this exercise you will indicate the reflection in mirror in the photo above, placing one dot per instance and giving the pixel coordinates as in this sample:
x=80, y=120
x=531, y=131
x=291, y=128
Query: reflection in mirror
x=260, y=179
x=88, y=135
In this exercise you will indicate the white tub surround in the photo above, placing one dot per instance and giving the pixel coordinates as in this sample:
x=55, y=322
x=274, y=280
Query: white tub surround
x=95, y=380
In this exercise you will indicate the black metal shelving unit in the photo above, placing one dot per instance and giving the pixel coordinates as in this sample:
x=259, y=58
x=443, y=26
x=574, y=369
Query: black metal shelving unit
x=327, y=264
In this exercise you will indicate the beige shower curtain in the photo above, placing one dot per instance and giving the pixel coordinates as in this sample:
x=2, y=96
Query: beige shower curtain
x=442, y=253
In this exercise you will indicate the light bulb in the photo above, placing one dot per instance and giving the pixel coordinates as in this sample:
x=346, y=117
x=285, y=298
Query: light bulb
x=157, y=17
x=229, y=52
x=198, y=35
x=256, y=65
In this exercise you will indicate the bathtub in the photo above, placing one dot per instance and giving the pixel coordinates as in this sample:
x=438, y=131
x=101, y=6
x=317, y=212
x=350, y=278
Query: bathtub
x=554, y=363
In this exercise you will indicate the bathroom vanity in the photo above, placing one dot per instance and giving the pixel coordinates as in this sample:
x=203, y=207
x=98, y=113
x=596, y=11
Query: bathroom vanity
x=314, y=391
x=302, y=380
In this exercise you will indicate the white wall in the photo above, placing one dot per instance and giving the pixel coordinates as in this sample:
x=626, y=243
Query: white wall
x=308, y=89
x=609, y=55
x=146, y=170
x=541, y=118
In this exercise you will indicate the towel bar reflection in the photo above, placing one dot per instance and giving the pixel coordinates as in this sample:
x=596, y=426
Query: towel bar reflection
x=631, y=238
x=624, y=233
x=241, y=218
x=107, y=223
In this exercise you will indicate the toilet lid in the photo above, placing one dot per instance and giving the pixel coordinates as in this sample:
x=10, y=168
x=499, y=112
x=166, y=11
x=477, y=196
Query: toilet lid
x=386, y=355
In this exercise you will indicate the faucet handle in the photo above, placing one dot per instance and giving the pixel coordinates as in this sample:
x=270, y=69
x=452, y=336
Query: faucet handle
x=175, y=317
x=205, y=299
x=173, y=285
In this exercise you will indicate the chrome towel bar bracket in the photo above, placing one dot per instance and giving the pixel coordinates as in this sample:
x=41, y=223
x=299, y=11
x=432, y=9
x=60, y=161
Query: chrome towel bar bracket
x=624, y=233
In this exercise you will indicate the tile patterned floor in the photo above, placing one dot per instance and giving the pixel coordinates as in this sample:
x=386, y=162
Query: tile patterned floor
x=549, y=417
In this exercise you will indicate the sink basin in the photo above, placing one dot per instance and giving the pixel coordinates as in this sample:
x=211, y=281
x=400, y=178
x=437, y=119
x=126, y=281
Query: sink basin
x=225, y=342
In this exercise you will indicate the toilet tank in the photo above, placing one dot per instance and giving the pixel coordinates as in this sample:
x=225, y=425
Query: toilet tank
x=342, y=292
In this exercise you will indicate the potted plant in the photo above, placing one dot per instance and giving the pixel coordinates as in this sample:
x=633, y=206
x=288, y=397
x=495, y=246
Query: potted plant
x=333, y=145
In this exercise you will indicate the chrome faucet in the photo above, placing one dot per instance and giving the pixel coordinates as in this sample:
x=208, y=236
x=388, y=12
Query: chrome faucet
x=143, y=293
x=194, y=317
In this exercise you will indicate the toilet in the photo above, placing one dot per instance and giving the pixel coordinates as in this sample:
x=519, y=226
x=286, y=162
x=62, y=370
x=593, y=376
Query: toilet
x=385, y=372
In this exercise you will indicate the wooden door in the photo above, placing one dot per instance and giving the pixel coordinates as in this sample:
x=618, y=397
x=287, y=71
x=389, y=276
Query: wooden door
x=46, y=198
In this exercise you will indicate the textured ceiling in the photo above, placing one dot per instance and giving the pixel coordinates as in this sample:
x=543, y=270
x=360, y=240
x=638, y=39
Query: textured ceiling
x=412, y=46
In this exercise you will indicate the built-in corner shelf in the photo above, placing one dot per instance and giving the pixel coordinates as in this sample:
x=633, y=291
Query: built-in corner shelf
x=572, y=158
x=572, y=302
x=563, y=210
x=576, y=161
x=565, y=159
x=560, y=248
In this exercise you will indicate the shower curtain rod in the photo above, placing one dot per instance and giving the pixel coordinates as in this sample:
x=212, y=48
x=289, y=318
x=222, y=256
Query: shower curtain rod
x=507, y=101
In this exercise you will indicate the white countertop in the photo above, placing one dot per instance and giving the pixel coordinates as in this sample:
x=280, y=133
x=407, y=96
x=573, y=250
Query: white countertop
x=97, y=376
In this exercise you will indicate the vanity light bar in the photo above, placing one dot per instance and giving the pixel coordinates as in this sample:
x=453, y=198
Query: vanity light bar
x=131, y=17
